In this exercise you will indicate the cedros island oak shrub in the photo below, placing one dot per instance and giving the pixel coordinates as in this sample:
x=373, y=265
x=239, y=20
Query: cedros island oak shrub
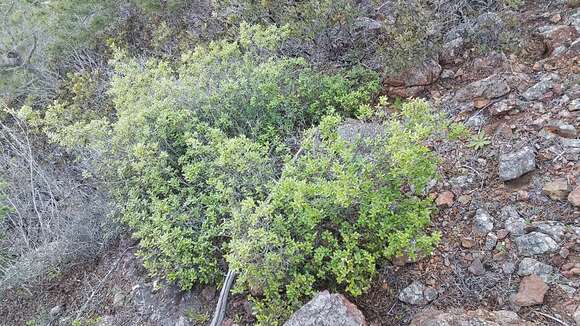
x=336, y=212
x=199, y=158
x=185, y=144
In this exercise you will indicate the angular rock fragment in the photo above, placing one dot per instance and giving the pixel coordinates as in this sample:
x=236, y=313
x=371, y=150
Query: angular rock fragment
x=327, y=310
x=531, y=292
x=515, y=164
x=535, y=243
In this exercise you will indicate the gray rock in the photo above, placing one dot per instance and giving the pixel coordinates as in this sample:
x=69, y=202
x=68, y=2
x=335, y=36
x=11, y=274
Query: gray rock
x=477, y=121
x=537, y=91
x=447, y=74
x=491, y=87
x=515, y=164
x=327, y=310
x=514, y=223
x=476, y=267
x=554, y=229
x=451, y=51
x=118, y=299
x=368, y=23
x=508, y=267
x=55, y=311
x=483, y=222
x=490, y=242
x=530, y=266
x=535, y=243
x=417, y=294
x=574, y=105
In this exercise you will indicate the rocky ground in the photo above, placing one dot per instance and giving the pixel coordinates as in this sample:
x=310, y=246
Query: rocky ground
x=509, y=209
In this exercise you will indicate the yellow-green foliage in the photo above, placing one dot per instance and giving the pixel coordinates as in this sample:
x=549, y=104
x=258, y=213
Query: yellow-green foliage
x=336, y=213
x=186, y=144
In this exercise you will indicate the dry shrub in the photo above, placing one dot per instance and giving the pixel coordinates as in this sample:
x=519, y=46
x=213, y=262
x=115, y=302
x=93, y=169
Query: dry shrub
x=56, y=217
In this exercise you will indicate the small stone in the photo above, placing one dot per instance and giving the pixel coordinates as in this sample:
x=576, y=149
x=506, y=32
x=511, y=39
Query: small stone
x=483, y=222
x=564, y=252
x=530, y=266
x=514, y=224
x=490, y=242
x=417, y=294
x=447, y=74
x=55, y=311
x=515, y=164
x=555, y=18
x=557, y=189
x=430, y=294
x=574, y=105
x=500, y=108
x=491, y=87
x=445, y=199
x=537, y=91
x=523, y=195
x=531, y=292
x=574, y=197
x=508, y=267
x=118, y=299
x=535, y=243
x=476, y=267
x=467, y=243
x=554, y=229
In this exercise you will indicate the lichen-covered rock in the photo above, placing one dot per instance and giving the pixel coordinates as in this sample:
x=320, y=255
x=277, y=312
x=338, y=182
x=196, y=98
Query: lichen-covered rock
x=514, y=223
x=530, y=266
x=327, y=310
x=491, y=87
x=555, y=229
x=483, y=222
x=515, y=164
x=456, y=317
x=537, y=91
x=417, y=294
x=535, y=243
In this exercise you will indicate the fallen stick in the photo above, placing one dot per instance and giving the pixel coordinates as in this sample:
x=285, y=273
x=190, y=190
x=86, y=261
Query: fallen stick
x=220, y=309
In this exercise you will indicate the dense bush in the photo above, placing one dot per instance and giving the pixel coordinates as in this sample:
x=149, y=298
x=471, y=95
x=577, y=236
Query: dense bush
x=189, y=143
x=336, y=213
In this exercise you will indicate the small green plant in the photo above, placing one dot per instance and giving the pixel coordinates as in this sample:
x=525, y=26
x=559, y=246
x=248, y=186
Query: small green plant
x=457, y=131
x=198, y=318
x=31, y=322
x=479, y=141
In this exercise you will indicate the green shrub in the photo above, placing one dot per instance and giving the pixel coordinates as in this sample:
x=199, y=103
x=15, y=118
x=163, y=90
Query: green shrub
x=185, y=145
x=336, y=213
